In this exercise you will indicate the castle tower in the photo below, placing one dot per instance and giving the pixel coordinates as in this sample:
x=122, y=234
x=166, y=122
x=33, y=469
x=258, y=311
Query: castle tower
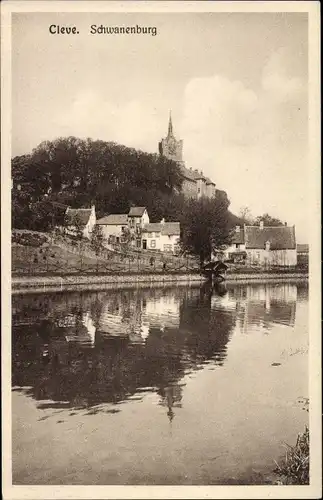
x=170, y=126
x=169, y=146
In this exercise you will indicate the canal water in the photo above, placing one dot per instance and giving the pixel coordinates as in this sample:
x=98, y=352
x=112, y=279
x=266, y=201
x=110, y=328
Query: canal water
x=179, y=385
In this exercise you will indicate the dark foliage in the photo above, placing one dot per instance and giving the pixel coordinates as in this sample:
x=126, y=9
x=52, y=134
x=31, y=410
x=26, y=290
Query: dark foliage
x=77, y=172
x=28, y=239
x=205, y=225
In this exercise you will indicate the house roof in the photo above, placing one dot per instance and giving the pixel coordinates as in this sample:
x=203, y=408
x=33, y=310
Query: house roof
x=280, y=237
x=113, y=220
x=193, y=175
x=136, y=211
x=208, y=181
x=302, y=248
x=166, y=229
x=187, y=173
x=199, y=175
x=171, y=228
x=238, y=237
x=80, y=215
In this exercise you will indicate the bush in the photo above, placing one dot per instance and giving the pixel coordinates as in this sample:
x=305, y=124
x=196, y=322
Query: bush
x=295, y=468
x=28, y=238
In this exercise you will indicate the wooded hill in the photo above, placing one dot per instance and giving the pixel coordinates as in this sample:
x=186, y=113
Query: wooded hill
x=80, y=173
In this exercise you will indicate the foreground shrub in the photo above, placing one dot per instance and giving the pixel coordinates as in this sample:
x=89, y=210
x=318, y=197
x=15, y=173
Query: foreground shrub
x=28, y=238
x=295, y=468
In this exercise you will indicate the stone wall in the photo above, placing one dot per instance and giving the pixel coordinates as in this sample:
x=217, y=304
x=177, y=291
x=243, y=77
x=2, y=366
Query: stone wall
x=65, y=283
x=68, y=283
x=265, y=276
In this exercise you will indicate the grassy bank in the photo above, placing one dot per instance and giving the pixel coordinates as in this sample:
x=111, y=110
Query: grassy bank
x=294, y=469
x=49, y=254
x=45, y=254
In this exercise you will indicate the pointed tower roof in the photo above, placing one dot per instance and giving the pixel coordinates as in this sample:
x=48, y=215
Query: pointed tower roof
x=170, y=125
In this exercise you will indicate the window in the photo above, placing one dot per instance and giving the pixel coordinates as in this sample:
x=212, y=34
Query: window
x=157, y=235
x=199, y=190
x=153, y=244
x=150, y=235
x=237, y=245
x=167, y=248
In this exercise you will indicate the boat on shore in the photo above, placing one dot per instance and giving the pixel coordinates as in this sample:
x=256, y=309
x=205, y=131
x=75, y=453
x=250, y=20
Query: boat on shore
x=215, y=271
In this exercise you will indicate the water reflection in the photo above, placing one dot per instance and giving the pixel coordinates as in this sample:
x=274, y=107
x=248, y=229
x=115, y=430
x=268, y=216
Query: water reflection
x=262, y=305
x=82, y=350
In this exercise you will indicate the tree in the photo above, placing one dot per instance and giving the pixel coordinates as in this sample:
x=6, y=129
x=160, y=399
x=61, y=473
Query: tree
x=245, y=215
x=97, y=239
x=268, y=220
x=205, y=226
x=80, y=172
x=127, y=237
x=75, y=227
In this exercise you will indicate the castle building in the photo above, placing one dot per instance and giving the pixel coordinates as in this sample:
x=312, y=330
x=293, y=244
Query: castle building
x=170, y=147
x=195, y=184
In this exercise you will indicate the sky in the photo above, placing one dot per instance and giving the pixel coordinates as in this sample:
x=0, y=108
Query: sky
x=237, y=85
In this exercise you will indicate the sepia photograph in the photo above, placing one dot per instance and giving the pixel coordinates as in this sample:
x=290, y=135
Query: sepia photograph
x=161, y=250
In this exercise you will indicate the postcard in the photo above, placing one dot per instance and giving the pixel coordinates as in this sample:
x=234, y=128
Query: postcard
x=161, y=250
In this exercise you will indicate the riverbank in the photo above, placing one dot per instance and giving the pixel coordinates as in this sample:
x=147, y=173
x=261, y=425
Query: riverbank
x=23, y=284
x=97, y=282
x=265, y=276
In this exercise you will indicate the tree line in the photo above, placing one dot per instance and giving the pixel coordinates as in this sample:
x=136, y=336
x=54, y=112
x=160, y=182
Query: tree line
x=80, y=173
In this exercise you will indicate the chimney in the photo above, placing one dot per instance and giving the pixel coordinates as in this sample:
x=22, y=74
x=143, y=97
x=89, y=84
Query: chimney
x=261, y=224
x=285, y=223
x=237, y=229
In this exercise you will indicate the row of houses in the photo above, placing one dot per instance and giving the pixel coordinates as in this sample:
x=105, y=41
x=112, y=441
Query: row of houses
x=251, y=244
x=134, y=227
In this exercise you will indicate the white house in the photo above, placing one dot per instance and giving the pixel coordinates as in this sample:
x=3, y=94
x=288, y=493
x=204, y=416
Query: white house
x=264, y=245
x=237, y=249
x=163, y=236
x=82, y=219
x=138, y=217
x=271, y=245
x=113, y=226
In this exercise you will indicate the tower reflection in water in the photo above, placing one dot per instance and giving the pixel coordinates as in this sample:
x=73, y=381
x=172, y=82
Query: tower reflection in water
x=81, y=350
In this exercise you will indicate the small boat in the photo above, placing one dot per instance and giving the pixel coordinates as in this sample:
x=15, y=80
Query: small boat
x=215, y=271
